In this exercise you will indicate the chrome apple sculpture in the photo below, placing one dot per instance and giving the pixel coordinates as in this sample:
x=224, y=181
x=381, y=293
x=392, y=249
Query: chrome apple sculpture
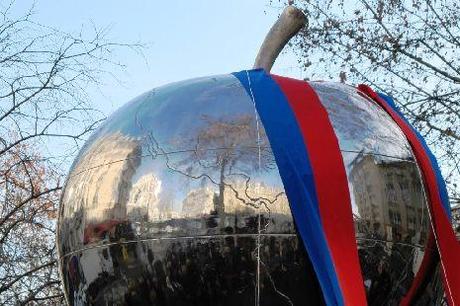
x=177, y=200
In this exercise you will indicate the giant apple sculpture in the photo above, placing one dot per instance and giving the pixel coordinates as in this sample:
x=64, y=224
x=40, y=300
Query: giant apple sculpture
x=206, y=192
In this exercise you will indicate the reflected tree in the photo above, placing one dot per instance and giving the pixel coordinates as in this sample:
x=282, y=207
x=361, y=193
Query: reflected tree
x=231, y=147
x=224, y=152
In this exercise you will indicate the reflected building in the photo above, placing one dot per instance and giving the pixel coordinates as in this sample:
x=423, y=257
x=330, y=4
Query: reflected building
x=198, y=203
x=389, y=198
x=143, y=203
x=98, y=189
x=239, y=199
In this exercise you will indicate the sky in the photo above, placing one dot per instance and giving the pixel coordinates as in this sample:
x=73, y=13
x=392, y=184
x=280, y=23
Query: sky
x=185, y=39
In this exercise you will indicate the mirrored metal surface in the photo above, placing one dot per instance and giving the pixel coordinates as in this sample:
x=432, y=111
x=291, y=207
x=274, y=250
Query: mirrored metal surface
x=192, y=271
x=391, y=224
x=388, y=200
x=360, y=124
x=177, y=198
x=182, y=116
x=432, y=292
x=456, y=220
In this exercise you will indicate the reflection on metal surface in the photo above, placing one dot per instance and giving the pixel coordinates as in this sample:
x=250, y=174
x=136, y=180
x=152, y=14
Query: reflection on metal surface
x=388, y=202
x=177, y=200
x=360, y=124
x=391, y=224
x=215, y=271
x=388, y=199
x=388, y=269
x=456, y=220
x=432, y=293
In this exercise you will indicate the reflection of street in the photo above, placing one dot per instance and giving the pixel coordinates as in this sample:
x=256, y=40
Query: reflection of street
x=219, y=271
x=434, y=293
x=388, y=269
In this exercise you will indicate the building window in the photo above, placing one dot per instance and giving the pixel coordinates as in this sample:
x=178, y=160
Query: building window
x=395, y=217
x=405, y=192
x=390, y=192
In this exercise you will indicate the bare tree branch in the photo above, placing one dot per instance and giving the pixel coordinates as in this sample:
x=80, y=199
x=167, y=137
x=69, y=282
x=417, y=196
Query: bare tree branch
x=408, y=49
x=44, y=102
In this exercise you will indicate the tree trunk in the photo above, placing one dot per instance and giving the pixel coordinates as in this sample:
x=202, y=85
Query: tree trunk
x=219, y=204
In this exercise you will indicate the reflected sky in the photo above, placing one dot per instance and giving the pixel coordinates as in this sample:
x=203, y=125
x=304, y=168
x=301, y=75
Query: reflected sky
x=359, y=123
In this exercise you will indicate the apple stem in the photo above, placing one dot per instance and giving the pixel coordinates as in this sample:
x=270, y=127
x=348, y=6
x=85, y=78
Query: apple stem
x=288, y=24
